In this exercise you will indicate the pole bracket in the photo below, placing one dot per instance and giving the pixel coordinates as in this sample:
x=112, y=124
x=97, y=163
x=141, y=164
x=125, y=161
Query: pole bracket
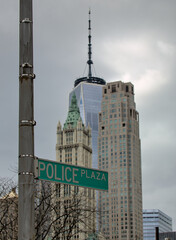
x=27, y=75
x=26, y=65
x=26, y=155
x=27, y=123
x=26, y=20
x=25, y=173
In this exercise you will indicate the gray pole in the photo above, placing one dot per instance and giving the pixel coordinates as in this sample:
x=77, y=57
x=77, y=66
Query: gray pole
x=26, y=125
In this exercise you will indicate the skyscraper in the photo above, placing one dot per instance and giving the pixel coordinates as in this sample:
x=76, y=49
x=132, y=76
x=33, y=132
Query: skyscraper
x=76, y=204
x=119, y=152
x=88, y=92
x=153, y=218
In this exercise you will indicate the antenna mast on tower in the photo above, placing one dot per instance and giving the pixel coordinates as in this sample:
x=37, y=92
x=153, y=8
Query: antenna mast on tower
x=89, y=62
x=89, y=78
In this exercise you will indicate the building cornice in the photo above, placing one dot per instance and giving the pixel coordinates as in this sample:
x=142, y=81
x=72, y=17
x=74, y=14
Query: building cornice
x=76, y=145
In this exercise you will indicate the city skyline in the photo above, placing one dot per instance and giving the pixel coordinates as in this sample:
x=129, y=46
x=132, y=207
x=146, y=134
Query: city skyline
x=135, y=43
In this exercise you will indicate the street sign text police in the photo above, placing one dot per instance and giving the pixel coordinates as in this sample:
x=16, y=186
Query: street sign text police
x=70, y=174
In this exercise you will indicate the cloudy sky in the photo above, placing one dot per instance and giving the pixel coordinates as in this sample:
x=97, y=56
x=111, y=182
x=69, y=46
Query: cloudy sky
x=133, y=40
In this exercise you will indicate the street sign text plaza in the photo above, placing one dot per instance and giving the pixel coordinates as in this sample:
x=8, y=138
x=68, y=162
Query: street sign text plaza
x=70, y=174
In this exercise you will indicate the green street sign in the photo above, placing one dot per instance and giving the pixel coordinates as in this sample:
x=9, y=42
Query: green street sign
x=71, y=174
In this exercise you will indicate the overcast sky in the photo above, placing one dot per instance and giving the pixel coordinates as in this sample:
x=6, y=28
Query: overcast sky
x=133, y=40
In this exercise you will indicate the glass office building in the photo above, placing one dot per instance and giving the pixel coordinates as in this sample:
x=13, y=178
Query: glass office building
x=88, y=92
x=153, y=218
x=89, y=96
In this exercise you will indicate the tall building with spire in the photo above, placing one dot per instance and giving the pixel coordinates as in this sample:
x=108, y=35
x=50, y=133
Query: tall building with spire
x=119, y=153
x=76, y=204
x=88, y=92
x=110, y=110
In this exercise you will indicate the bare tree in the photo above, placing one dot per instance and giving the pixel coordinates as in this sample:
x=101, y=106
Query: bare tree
x=61, y=213
x=55, y=216
x=8, y=210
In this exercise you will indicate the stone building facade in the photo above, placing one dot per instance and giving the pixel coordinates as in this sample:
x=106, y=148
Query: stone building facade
x=74, y=147
x=119, y=153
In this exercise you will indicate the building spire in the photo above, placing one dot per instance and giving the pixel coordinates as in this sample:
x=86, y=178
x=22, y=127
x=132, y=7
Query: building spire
x=73, y=114
x=89, y=78
x=89, y=62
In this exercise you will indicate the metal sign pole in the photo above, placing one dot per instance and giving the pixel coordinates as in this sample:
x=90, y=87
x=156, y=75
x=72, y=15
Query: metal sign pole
x=26, y=125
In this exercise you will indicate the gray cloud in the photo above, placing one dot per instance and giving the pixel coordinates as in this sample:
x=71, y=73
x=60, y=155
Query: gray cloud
x=132, y=41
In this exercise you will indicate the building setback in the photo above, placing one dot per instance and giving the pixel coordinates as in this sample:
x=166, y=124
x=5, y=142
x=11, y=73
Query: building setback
x=74, y=147
x=153, y=218
x=119, y=152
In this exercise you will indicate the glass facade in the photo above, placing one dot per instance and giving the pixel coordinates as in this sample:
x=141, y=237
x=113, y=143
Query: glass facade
x=89, y=96
x=153, y=218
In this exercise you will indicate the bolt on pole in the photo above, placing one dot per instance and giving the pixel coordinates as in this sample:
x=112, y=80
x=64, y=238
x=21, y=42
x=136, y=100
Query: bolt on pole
x=26, y=124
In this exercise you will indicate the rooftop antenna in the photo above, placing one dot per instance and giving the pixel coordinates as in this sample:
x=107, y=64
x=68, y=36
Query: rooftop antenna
x=89, y=62
x=89, y=78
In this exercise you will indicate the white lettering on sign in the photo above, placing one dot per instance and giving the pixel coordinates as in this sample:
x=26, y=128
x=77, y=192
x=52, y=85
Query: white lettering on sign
x=47, y=170
x=98, y=174
x=41, y=168
x=82, y=172
x=57, y=178
x=93, y=175
x=66, y=178
x=68, y=174
x=62, y=173
x=87, y=175
x=75, y=175
x=103, y=177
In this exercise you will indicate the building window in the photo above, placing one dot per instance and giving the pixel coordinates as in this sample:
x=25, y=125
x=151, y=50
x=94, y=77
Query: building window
x=113, y=88
x=132, y=89
x=69, y=137
x=68, y=155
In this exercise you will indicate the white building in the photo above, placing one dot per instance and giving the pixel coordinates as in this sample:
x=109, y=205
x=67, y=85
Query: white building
x=153, y=218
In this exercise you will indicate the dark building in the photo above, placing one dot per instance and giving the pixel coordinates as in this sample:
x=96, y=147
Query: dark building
x=167, y=236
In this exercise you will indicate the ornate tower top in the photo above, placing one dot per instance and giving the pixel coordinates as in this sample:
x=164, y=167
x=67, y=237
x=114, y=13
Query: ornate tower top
x=89, y=78
x=73, y=114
